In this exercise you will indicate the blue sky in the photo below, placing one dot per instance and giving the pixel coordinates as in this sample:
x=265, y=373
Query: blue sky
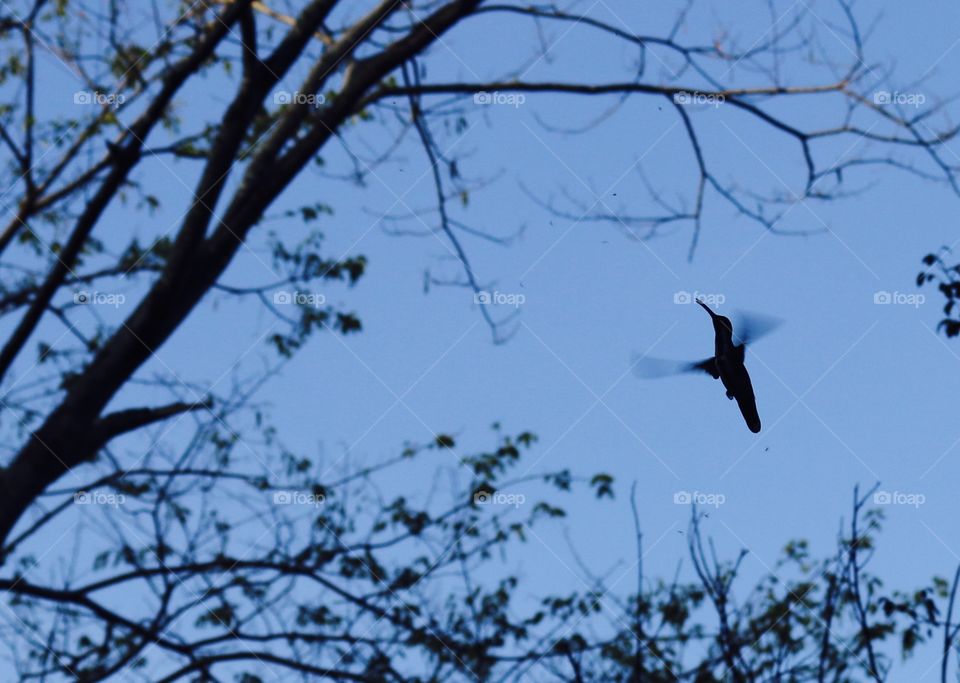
x=849, y=391
x=874, y=382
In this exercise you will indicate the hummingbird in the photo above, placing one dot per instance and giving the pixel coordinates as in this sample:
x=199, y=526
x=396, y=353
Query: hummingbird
x=726, y=363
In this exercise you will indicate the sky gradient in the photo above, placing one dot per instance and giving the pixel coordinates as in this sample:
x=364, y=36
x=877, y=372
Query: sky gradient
x=850, y=391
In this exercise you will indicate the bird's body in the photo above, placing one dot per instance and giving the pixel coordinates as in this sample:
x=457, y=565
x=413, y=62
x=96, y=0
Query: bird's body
x=727, y=363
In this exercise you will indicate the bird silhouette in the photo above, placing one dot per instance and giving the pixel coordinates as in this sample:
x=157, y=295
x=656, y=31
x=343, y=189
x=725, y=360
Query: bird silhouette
x=726, y=363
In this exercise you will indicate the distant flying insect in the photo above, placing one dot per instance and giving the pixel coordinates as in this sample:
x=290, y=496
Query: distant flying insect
x=727, y=363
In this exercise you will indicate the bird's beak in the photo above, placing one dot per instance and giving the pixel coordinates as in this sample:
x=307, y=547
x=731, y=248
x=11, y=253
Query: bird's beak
x=707, y=309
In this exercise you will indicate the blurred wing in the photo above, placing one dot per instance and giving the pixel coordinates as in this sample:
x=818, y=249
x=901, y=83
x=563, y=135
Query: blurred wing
x=654, y=368
x=749, y=327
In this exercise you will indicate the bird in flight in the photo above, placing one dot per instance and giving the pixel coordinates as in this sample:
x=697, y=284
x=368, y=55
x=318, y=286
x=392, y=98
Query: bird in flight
x=726, y=364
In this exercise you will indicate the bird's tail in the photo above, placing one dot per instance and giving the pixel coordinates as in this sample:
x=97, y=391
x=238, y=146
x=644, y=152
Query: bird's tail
x=748, y=408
